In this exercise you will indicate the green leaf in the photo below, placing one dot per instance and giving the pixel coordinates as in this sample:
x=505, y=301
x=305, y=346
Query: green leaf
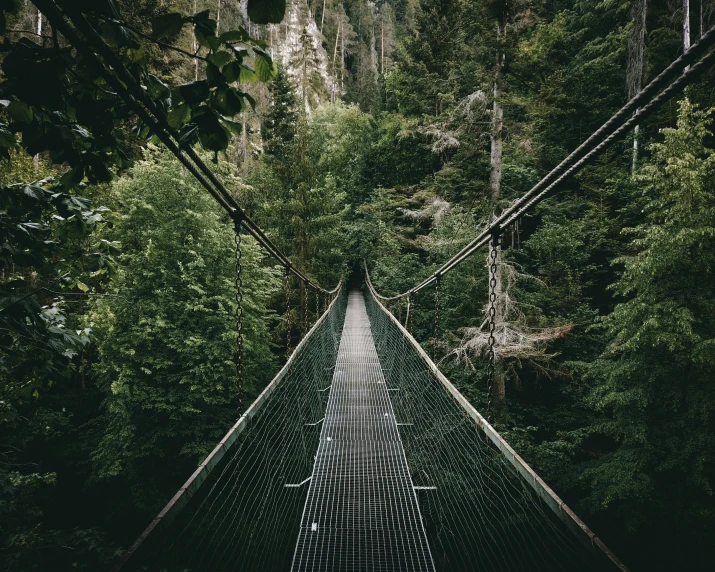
x=232, y=72
x=188, y=135
x=195, y=92
x=228, y=101
x=214, y=75
x=117, y=35
x=98, y=169
x=7, y=139
x=82, y=286
x=73, y=177
x=205, y=30
x=250, y=100
x=239, y=53
x=247, y=74
x=157, y=88
x=265, y=70
x=136, y=54
x=220, y=59
x=239, y=35
x=266, y=11
x=19, y=112
x=167, y=26
x=233, y=126
x=212, y=135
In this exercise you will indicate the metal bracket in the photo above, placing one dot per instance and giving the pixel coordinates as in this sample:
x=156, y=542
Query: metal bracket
x=299, y=484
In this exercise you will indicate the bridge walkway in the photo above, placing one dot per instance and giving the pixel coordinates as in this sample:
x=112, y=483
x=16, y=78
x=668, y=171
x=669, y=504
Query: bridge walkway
x=361, y=512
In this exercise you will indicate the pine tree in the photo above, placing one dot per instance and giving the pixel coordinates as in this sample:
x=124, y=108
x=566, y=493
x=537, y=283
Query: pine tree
x=279, y=124
x=655, y=379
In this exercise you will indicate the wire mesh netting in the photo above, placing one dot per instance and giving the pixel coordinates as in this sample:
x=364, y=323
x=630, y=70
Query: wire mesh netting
x=246, y=515
x=479, y=512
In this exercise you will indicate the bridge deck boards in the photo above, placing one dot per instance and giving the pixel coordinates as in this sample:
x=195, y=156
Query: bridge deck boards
x=361, y=512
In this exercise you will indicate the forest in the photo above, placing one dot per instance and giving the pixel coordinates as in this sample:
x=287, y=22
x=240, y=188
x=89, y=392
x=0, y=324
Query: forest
x=384, y=134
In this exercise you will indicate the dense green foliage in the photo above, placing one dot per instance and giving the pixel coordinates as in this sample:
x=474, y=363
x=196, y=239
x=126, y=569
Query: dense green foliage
x=172, y=394
x=374, y=141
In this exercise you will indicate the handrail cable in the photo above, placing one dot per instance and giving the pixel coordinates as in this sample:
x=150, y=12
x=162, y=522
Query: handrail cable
x=644, y=104
x=132, y=93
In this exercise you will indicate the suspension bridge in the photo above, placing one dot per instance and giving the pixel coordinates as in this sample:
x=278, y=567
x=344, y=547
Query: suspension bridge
x=360, y=454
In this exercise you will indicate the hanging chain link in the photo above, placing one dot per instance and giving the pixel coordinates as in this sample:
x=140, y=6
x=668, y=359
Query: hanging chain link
x=239, y=313
x=492, y=312
x=436, y=320
x=410, y=319
x=317, y=305
x=288, y=321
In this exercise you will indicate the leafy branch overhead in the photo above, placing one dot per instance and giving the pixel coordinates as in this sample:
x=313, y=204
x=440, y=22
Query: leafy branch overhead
x=54, y=101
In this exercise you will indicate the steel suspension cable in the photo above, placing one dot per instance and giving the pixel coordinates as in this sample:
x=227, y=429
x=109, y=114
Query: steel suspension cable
x=639, y=108
x=239, y=315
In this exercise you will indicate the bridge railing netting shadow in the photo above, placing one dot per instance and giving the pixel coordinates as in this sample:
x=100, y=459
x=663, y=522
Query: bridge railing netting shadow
x=480, y=512
x=241, y=515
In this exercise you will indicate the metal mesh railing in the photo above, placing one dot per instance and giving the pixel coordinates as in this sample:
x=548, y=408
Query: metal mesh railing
x=484, y=508
x=241, y=510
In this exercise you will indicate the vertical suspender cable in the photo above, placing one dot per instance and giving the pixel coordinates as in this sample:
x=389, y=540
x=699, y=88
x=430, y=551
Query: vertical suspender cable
x=436, y=319
x=288, y=320
x=239, y=313
x=491, y=366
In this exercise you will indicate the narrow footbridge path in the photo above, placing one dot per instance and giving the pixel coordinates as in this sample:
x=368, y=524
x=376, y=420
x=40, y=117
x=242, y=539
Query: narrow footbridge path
x=361, y=512
x=360, y=455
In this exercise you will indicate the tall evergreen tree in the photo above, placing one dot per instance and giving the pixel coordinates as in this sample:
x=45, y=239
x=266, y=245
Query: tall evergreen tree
x=655, y=379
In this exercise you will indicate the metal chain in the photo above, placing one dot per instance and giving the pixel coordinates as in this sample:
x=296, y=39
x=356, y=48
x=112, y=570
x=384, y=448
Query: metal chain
x=410, y=319
x=317, y=305
x=301, y=309
x=239, y=313
x=288, y=324
x=492, y=312
x=436, y=319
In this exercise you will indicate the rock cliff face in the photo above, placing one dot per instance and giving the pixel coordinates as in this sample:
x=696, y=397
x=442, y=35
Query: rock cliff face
x=297, y=45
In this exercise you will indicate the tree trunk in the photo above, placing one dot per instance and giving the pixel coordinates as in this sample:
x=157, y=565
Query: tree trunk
x=195, y=50
x=322, y=18
x=305, y=74
x=382, y=47
x=342, y=61
x=36, y=158
x=498, y=389
x=335, y=55
x=495, y=174
x=686, y=25
x=634, y=70
x=218, y=17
